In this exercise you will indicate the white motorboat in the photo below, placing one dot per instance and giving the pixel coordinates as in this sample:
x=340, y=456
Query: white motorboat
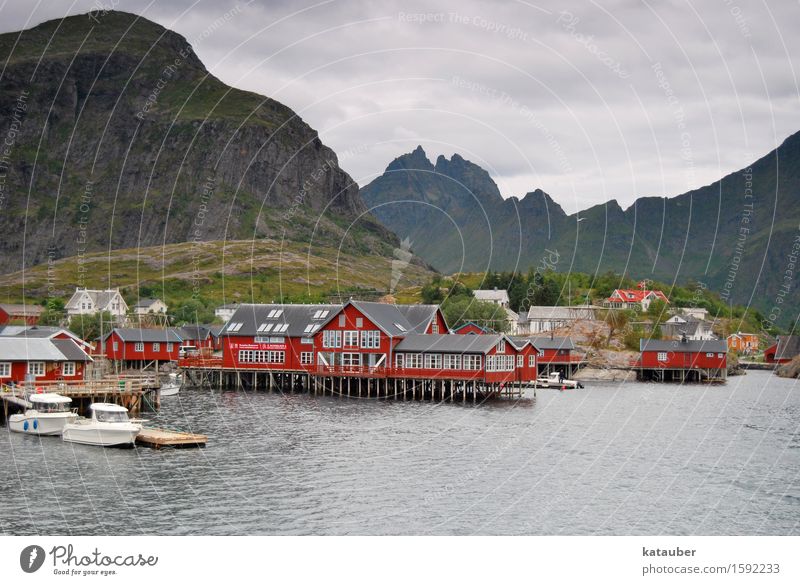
x=556, y=380
x=172, y=386
x=47, y=414
x=109, y=426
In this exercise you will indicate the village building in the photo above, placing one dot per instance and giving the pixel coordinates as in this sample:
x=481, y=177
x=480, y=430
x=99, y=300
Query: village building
x=634, y=299
x=199, y=337
x=225, y=312
x=470, y=328
x=28, y=314
x=556, y=354
x=543, y=319
x=150, y=307
x=41, y=360
x=140, y=348
x=44, y=332
x=743, y=343
x=495, y=295
x=683, y=325
x=90, y=302
x=784, y=350
x=682, y=360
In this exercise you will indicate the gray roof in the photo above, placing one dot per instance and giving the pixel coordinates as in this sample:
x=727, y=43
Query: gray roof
x=146, y=335
x=410, y=318
x=695, y=346
x=100, y=298
x=12, y=330
x=547, y=342
x=144, y=303
x=13, y=309
x=560, y=313
x=71, y=350
x=493, y=295
x=448, y=343
x=47, y=350
x=193, y=332
x=788, y=346
x=298, y=317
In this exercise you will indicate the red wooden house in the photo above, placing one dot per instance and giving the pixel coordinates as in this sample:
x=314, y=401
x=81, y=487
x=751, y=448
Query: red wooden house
x=786, y=348
x=28, y=314
x=623, y=298
x=198, y=336
x=470, y=328
x=138, y=347
x=556, y=354
x=683, y=359
x=41, y=358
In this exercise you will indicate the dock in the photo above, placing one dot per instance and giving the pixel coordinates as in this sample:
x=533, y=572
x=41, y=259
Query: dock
x=157, y=438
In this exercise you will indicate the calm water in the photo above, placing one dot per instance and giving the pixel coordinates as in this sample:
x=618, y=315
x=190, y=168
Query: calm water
x=610, y=459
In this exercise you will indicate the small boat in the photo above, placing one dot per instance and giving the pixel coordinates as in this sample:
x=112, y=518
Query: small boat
x=172, y=386
x=108, y=427
x=47, y=414
x=555, y=380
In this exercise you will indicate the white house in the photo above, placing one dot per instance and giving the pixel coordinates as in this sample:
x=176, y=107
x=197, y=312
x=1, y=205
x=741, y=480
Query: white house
x=498, y=297
x=225, y=312
x=543, y=319
x=88, y=302
x=688, y=326
x=150, y=306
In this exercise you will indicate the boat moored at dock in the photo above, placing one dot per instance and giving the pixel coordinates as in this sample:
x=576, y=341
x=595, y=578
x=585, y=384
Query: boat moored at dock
x=109, y=426
x=46, y=414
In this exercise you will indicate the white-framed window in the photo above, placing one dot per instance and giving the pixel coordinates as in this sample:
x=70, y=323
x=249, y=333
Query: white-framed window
x=342, y=320
x=471, y=362
x=710, y=354
x=434, y=328
x=36, y=368
x=68, y=369
x=662, y=356
x=359, y=322
x=414, y=360
x=371, y=339
x=170, y=347
x=306, y=358
x=116, y=346
x=433, y=361
x=520, y=361
x=351, y=359
x=156, y=346
x=5, y=369
x=307, y=340
x=452, y=361
x=531, y=360
x=351, y=339
x=398, y=360
x=258, y=356
x=541, y=353
x=719, y=355
x=332, y=338
x=138, y=346
x=501, y=346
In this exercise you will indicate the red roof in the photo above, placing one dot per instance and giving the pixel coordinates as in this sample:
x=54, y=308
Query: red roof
x=635, y=296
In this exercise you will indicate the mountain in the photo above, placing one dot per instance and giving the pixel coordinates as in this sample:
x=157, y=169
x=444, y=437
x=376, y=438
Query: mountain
x=117, y=136
x=738, y=236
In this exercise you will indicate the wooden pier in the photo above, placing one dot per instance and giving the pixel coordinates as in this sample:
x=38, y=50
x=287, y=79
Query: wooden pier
x=157, y=438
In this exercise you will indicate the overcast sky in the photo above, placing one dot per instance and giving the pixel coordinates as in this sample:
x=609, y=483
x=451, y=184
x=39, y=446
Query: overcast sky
x=589, y=101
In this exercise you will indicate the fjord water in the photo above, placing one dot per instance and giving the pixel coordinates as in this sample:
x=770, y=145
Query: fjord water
x=610, y=459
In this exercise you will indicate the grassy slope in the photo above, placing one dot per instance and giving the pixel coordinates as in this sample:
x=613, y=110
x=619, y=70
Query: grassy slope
x=234, y=271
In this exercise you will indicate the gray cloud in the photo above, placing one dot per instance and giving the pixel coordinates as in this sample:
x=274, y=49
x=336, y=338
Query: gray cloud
x=568, y=100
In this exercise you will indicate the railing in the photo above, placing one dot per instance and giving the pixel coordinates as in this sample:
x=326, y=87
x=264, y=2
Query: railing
x=198, y=361
x=107, y=385
x=358, y=370
x=561, y=359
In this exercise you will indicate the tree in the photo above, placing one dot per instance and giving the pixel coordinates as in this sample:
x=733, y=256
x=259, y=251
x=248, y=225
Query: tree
x=192, y=312
x=615, y=319
x=463, y=309
x=657, y=311
x=89, y=327
x=53, y=313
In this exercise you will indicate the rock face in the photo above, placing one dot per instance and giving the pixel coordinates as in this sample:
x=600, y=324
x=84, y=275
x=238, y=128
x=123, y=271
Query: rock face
x=117, y=136
x=738, y=236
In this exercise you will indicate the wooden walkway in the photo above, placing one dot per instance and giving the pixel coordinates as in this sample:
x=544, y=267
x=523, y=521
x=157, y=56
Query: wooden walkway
x=157, y=438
